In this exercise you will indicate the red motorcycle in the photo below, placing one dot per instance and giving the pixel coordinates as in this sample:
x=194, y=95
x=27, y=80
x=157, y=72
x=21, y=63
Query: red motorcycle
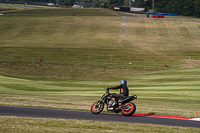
x=124, y=105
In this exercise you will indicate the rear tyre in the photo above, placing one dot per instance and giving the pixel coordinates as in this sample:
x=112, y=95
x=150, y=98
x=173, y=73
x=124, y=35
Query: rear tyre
x=128, y=109
x=97, y=107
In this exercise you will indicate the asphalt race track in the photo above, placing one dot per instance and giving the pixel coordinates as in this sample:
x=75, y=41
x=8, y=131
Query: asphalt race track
x=80, y=115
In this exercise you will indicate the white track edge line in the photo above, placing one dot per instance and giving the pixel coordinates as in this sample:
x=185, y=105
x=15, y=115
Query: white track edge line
x=195, y=119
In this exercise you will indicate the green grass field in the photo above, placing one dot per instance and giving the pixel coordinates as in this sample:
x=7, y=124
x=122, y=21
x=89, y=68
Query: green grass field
x=166, y=92
x=19, y=125
x=85, y=53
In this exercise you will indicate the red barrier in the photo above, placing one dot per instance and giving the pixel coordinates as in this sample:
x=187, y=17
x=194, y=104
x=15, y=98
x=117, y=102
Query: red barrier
x=158, y=16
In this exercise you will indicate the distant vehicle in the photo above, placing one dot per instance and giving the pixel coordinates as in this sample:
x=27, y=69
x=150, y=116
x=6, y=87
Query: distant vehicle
x=50, y=4
x=76, y=6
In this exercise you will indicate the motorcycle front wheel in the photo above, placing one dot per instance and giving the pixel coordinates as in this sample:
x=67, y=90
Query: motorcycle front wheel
x=128, y=109
x=97, y=107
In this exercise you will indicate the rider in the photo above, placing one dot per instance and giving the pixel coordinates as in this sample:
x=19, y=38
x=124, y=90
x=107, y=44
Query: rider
x=124, y=92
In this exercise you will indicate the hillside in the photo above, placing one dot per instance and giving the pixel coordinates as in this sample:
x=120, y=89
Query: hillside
x=52, y=59
x=94, y=47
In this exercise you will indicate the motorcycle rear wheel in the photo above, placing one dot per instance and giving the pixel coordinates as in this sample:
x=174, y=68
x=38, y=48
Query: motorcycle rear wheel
x=97, y=107
x=129, y=109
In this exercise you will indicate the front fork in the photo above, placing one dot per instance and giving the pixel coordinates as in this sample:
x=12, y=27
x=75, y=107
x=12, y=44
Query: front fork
x=100, y=101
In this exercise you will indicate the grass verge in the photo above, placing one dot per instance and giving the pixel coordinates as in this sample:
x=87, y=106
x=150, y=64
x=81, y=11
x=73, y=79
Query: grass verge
x=18, y=125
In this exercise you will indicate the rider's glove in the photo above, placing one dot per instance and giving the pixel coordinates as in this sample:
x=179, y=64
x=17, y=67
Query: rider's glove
x=108, y=88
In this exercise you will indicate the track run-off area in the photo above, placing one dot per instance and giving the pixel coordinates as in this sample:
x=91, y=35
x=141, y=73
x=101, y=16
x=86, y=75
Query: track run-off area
x=81, y=115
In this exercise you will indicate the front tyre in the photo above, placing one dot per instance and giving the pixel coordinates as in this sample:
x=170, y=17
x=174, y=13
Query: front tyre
x=97, y=107
x=128, y=109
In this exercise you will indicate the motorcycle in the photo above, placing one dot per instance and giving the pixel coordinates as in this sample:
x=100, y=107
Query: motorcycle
x=123, y=105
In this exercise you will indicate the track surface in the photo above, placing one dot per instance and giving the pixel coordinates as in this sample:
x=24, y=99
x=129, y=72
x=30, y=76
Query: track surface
x=66, y=114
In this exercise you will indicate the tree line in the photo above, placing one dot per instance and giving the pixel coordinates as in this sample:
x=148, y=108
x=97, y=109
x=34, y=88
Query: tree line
x=181, y=7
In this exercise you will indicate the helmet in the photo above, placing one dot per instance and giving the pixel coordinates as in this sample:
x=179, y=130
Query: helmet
x=123, y=82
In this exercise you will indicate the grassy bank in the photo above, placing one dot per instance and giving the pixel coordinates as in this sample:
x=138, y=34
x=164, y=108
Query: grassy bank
x=165, y=92
x=85, y=47
x=20, y=6
x=18, y=125
x=32, y=10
